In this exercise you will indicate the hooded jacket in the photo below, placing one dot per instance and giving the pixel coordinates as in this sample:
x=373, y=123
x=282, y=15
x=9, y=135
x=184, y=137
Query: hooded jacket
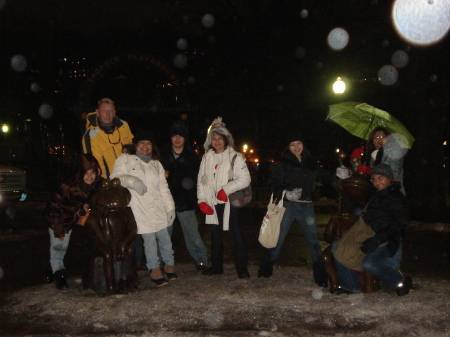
x=150, y=210
x=66, y=206
x=211, y=181
x=106, y=147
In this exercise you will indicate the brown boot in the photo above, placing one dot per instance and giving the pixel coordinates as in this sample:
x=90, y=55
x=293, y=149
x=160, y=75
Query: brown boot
x=157, y=277
x=170, y=272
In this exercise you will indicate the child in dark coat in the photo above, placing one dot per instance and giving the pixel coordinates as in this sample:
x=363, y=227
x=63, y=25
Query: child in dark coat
x=69, y=204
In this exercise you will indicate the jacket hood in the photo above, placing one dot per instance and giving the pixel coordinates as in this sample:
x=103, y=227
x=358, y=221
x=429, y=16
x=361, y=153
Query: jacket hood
x=87, y=162
x=218, y=127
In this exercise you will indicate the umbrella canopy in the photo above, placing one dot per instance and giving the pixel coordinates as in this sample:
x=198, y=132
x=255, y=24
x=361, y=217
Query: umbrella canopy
x=361, y=118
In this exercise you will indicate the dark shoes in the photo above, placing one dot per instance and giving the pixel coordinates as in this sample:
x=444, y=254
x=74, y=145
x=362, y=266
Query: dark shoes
x=157, y=278
x=264, y=274
x=201, y=266
x=340, y=290
x=60, y=277
x=244, y=275
x=402, y=288
x=48, y=273
x=212, y=271
x=320, y=275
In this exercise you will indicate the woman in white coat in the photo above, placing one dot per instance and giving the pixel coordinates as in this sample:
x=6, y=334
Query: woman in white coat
x=216, y=181
x=151, y=202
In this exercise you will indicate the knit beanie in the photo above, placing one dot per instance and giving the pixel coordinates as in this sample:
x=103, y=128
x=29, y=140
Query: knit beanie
x=143, y=134
x=383, y=170
x=294, y=135
x=218, y=127
x=178, y=130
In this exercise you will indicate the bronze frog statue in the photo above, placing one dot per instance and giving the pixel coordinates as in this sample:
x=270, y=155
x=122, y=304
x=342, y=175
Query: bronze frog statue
x=111, y=229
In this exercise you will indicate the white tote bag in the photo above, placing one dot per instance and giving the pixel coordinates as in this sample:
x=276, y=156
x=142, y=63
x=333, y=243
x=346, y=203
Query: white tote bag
x=270, y=227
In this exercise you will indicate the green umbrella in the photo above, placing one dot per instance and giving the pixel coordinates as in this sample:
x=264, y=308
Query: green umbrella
x=361, y=118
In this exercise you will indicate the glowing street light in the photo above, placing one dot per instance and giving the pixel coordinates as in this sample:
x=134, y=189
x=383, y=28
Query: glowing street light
x=5, y=128
x=339, y=86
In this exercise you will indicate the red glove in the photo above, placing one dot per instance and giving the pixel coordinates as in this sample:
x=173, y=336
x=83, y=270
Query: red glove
x=205, y=208
x=222, y=196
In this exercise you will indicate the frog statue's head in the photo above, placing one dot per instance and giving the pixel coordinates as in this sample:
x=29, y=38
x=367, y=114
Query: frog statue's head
x=111, y=196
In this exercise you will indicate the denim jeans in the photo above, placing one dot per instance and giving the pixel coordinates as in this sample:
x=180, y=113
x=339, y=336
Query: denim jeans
x=194, y=242
x=378, y=264
x=348, y=278
x=239, y=250
x=306, y=217
x=158, y=242
x=58, y=250
x=383, y=267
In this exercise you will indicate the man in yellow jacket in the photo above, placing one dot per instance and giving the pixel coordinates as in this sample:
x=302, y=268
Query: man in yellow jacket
x=105, y=135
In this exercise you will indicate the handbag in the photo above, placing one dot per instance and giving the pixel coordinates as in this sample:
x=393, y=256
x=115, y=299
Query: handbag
x=270, y=227
x=242, y=197
x=348, y=250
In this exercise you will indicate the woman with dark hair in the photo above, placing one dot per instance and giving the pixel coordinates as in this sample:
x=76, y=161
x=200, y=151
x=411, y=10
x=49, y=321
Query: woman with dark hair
x=217, y=179
x=381, y=148
x=296, y=174
x=153, y=207
x=67, y=207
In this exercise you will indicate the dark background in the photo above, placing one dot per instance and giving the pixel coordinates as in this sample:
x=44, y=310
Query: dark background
x=262, y=66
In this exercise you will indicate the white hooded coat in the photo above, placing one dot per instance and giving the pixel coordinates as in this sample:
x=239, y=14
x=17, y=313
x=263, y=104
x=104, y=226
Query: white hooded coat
x=150, y=210
x=208, y=184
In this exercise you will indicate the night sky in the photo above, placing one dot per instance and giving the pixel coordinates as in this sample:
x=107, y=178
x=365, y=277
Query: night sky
x=262, y=65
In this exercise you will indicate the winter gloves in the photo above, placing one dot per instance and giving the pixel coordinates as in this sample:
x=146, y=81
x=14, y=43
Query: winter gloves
x=222, y=196
x=294, y=195
x=139, y=187
x=205, y=208
x=171, y=217
x=342, y=172
x=370, y=245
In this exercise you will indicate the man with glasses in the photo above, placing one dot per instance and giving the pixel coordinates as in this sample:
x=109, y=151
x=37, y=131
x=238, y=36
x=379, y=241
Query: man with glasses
x=105, y=135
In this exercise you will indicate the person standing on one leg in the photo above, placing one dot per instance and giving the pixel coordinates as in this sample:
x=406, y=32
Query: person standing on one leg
x=216, y=181
x=69, y=204
x=297, y=173
x=181, y=164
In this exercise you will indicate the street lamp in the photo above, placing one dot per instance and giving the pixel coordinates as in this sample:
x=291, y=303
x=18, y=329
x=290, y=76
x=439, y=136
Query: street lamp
x=5, y=128
x=339, y=86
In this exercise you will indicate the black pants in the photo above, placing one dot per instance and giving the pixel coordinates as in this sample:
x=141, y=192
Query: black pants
x=239, y=251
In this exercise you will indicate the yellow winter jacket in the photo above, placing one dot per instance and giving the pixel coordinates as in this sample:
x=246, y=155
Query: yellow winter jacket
x=105, y=147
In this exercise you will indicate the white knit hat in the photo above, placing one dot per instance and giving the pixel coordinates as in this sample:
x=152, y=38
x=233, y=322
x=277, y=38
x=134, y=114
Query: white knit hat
x=218, y=127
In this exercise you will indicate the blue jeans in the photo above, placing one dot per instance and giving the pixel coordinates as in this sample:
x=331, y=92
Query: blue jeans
x=194, y=242
x=158, y=242
x=58, y=250
x=383, y=267
x=378, y=264
x=306, y=217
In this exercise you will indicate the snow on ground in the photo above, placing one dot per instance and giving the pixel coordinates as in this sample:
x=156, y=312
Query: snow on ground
x=287, y=304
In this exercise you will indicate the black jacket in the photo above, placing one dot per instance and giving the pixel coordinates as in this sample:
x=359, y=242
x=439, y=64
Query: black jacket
x=182, y=177
x=387, y=215
x=289, y=173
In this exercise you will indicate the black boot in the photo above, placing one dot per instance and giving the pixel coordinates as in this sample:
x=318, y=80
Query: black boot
x=48, y=273
x=320, y=275
x=61, y=279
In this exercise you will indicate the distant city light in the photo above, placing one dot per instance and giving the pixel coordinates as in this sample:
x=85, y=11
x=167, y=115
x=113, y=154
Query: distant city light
x=5, y=128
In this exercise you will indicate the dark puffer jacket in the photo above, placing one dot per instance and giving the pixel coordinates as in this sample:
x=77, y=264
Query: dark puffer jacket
x=387, y=215
x=182, y=177
x=289, y=173
x=66, y=206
